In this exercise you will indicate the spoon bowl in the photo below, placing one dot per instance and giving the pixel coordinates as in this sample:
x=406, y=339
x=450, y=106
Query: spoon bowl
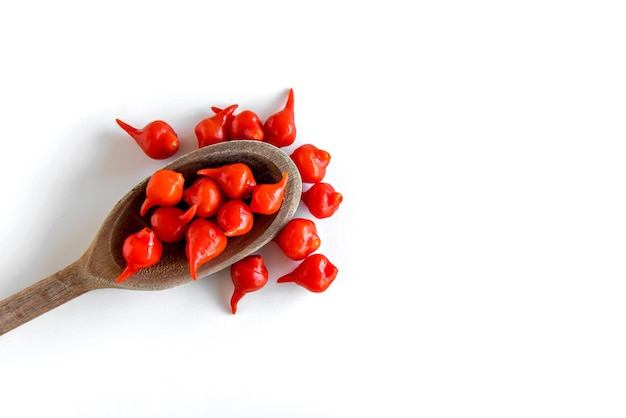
x=102, y=262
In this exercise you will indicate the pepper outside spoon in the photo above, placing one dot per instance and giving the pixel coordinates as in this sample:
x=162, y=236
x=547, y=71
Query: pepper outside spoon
x=102, y=262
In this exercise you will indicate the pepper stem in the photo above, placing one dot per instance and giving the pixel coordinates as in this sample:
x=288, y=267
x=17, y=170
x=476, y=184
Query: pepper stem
x=237, y=295
x=126, y=273
x=132, y=131
x=285, y=279
x=188, y=215
x=289, y=104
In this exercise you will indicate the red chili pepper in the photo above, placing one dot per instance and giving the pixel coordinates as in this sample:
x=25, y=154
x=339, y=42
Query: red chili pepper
x=246, y=125
x=229, y=120
x=236, y=180
x=235, y=218
x=322, y=200
x=267, y=198
x=205, y=241
x=248, y=275
x=165, y=188
x=280, y=128
x=214, y=129
x=311, y=162
x=205, y=193
x=170, y=222
x=314, y=273
x=298, y=238
x=157, y=139
x=140, y=250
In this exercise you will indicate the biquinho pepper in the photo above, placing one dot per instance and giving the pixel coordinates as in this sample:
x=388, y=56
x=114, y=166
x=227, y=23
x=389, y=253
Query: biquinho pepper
x=298, y=238
x=205, y=241
x=246, y=125
x=157, y=140
x=140, y=250
x=280, y=128
x=322, y=200
x=235, y=218
x=311, y=162
x=248, y=275
x=223, y=202
x=164, y=188
x=170, y=222
x=207, y=195
x=315, y=273
x=267, y=198
x=214, y=129
x=236, y=180
x=229, y=120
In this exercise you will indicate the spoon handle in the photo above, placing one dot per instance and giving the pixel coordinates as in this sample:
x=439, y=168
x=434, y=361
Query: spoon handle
x=42, y=296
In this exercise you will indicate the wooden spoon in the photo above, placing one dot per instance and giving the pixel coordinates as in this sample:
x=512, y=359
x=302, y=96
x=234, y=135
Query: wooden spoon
x=100, y=265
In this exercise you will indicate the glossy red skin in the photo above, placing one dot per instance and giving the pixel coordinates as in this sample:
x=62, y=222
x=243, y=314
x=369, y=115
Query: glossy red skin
x=205, y=241
x=170, y=222
x=207, y=195
x=229, y=120
x=248, y=275
x=214, y=129
x=311, y=162
x=280, y=128
x=246, y=125
x=236, y=180
x=322, y=200
x=140, y=250
x=235, y=218
x=298, y=238
x=164, y=188
x=315, y=273
x=267, y=198
x=157, y=139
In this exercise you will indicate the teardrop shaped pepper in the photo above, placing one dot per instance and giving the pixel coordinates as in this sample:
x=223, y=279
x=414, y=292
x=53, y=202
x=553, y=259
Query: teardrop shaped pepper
x=248, y=275
x=236, y=180
x=214, y=129
x=298, y=238
x=322, y=200
x=164, y=188
x=246, y=125
x=170, y=222
x=311, y=162
x=235, y=218
x=140, y=250
x=207, y=195
x=229, y=120
x=315, y=273
x=280, y=128
x=267, y=198
x=205, y=241
x=157, y=139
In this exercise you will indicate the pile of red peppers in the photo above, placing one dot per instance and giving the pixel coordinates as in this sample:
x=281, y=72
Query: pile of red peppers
x=222, y=202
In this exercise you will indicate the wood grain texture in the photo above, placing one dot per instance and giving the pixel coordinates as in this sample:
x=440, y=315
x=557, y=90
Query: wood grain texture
x=43, y=296
x=103, y=261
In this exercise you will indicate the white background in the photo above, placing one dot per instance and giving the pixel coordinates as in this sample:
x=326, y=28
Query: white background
x=480, y=147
